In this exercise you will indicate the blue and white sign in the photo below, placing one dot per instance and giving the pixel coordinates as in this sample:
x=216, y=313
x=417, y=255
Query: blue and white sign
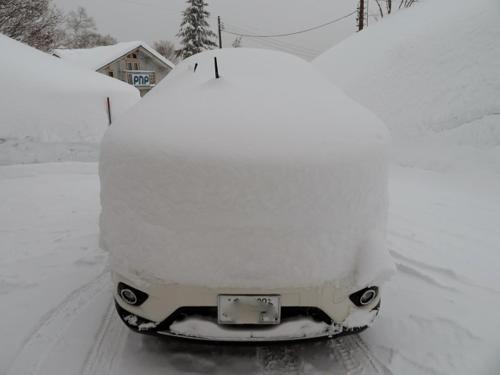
x=140, y=79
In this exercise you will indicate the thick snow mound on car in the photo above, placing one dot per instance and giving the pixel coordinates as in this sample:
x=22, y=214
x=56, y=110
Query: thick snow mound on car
x=51, y=110
x=266, y=177
x=431, y=73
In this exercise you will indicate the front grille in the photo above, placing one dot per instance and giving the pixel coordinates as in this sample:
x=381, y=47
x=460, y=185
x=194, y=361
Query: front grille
x=210, y=313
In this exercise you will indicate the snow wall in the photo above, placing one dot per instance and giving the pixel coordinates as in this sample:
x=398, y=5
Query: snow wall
x=52, y=110
x=430, y=72
x=266, y=177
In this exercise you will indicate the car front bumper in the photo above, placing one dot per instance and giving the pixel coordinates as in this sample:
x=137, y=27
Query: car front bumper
x=302, y=329
x=191, y=312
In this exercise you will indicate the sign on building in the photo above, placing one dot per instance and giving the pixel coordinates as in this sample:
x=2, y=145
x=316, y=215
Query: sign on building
x=140, y=79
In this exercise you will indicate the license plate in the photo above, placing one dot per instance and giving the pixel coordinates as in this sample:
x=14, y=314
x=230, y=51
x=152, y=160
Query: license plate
x=248, y=309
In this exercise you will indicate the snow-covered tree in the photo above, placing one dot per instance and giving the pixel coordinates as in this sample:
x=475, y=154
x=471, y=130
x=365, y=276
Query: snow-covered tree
x=195, y=33
x=236, y=42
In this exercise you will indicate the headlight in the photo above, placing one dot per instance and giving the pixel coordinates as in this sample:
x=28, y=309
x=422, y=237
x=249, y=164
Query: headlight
x=131, y=295
x=365, y=296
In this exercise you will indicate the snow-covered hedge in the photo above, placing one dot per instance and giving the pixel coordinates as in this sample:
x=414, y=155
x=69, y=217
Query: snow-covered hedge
x=266, y=177
x=51, y=110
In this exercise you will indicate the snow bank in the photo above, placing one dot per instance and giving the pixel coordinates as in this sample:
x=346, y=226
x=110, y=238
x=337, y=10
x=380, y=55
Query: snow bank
x=431, y=73
x=51, y=110
x=268, y=176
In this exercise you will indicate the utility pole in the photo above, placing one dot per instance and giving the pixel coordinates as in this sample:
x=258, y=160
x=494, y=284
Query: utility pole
x=220, y=33
x=361, y=14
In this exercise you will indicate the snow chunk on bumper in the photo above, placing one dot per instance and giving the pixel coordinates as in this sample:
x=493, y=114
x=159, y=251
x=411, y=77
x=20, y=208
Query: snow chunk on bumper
x=297, y=329
x=266, y=177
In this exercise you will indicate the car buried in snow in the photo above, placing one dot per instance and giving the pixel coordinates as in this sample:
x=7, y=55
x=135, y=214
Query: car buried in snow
x=245, y=199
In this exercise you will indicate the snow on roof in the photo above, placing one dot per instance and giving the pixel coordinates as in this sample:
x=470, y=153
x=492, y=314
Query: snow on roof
x=45, y=100
x=97, y=57
x=266, y=176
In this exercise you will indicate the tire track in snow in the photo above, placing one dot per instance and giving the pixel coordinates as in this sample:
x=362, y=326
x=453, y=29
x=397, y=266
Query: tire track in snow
x=410, y=263
x=351, y=364
x=280, y=359
x=411, y=271
x=357, y=358
x=350, y=354
x=40, y=343
x=110, y=343
x=374, y=361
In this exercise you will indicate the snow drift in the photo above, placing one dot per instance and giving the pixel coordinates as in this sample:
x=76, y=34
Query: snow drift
x=266, y=177
x=52, y=110
x=431, y=73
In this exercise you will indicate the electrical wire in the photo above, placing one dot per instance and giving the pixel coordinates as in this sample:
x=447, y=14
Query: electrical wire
x=288, y=45
x=296, y=50
x=305, y=56
x=294, y=32
x=275, y=43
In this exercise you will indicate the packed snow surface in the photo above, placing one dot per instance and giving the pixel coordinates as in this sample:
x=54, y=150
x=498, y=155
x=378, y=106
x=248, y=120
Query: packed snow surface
x=266, y=177
x=431, y=73
x=439, y=314
x=98, y=57
x=52, y=110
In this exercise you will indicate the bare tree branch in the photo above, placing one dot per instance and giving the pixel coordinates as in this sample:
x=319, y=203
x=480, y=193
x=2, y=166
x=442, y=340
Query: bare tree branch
x=380, y=8
x=81, y=31
x=167, y=49
x=34, y=22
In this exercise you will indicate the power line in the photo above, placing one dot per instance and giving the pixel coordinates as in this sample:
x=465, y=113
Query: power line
x=292, y=50
x=294, y=32
x=306, y=52
x=304, y=49
x=266, y=43
x=274, y=44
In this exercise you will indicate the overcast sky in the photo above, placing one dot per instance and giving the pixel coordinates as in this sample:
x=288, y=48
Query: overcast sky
x=150, y=20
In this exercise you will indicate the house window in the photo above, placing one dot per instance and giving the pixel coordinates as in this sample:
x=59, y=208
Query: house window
x=129, y=66
x=136, y=66
x=111, y=74
x=129, y=78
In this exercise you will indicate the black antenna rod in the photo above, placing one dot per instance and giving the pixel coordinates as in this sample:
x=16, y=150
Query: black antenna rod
x=216, y=68
x=219, y=27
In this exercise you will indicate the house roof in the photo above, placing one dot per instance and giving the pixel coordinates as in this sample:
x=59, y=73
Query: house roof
x=98, y=57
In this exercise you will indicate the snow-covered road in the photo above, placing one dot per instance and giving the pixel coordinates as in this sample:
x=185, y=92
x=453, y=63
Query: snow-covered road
x=440, y=314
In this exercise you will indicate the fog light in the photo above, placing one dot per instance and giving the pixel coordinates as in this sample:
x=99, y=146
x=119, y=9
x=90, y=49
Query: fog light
x=365, y=296
x=130, y=295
